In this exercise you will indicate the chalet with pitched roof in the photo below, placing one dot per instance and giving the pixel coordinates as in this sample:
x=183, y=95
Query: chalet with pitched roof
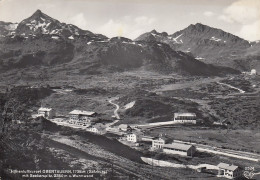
x=229, y=171
x=46, y=112
x=83, y=116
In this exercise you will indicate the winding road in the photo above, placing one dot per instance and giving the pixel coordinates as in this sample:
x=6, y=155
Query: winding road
x=240, y=90
x=117, y=108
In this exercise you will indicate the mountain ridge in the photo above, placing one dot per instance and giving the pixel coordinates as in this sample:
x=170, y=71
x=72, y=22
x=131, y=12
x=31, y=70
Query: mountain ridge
x=39, y=23
x=210, y=45
x=40, y=39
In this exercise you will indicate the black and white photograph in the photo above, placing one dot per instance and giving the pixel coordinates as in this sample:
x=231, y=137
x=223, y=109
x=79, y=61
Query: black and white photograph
x=129, y=89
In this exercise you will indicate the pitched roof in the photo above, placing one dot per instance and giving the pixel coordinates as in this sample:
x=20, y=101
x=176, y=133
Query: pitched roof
x=227, y=166
x=179, y=146
x=44, y=109
x=79, y=112
x=159, y=138
x=98, y=126
x=138, y=133
x=150, y=137
x=184, y=114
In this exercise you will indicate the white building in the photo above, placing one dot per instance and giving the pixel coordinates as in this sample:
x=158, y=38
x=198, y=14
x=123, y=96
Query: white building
x=253, y=72
x=229, y=171
x=82, y=116
x=179, y=148
x=97, y=128
x=158, y=143
x=134, y=137
x=46, y=112
x=185, y=118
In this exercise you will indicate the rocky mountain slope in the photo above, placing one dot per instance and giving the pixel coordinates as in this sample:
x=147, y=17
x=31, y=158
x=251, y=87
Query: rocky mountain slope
x=41, y=40
x=210, y=45
x=40, y=23
x=7, y=28
x=87, y=54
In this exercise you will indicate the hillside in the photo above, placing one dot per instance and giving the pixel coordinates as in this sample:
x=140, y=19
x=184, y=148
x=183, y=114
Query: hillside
x=210, y=45
x=41, y=40
x=40, y=23
x=7, y=28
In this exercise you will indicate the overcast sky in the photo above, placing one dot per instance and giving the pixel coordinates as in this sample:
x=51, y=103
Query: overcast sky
x=130, y=18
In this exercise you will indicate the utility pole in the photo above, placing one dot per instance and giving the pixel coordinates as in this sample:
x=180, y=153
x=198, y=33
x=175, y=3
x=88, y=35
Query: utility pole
x=112, y=169
x=152, y=164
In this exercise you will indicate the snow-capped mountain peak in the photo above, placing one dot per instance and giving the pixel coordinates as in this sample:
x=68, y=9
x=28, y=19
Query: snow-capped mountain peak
x=40, y=23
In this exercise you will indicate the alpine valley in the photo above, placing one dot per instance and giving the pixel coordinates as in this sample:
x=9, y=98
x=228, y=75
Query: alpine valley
x=196, y=50
x=139, y=84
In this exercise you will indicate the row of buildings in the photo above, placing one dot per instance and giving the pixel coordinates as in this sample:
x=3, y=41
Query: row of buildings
x=229, y=171
x=77, y=117
x=161, y=143
x=87, y=116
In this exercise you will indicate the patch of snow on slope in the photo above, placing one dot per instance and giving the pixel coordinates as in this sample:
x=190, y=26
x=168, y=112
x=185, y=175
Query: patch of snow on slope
x=199, y=58
x=48, y=24
x=128, y=42
x=11, y=27
x=55, y=37
x=53, y=31
x=40, y=25
x=215, y=39
x=175, y=39
x=129, y=105
x=71, y=37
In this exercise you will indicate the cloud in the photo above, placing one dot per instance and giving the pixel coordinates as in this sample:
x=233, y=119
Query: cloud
x=127, y=26
x=245, y=13
x=241, y=11
x=225, y=18
x=144, y=20
x=251, y=31
x=79, y=20
x=208, y=14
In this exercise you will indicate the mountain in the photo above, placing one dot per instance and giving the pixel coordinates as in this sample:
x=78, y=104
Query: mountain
x=40, y=23
x=209, y=45
x=7, y=28
x=89, y=55
x=43, y=41
x=153, y=36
